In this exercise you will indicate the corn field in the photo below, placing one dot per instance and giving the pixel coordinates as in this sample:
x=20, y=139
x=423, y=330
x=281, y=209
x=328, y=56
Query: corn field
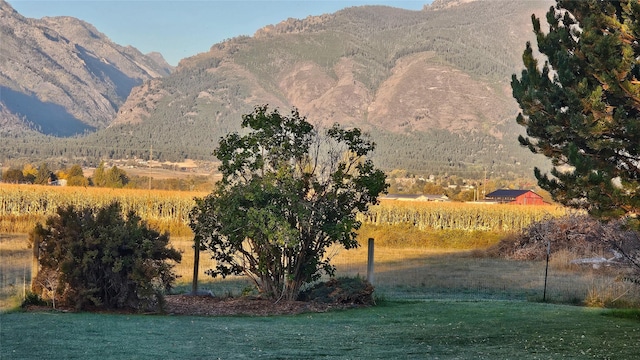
x=34, y=200
x=458, y=216
x=165, y=207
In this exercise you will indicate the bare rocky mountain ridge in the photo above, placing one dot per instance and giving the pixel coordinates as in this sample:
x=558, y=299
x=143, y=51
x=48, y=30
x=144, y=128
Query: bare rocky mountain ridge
x=386, y=70
x=432, y=86
x=419, y=92
x=61, y=76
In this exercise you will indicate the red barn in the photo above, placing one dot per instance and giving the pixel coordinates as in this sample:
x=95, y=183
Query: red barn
x=518, y=197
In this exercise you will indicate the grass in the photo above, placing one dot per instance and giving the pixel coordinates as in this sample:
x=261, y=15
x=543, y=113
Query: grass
x=15, y=269
x=408, y=273
x=633, y=314
x=408, y=236
x=395, y=329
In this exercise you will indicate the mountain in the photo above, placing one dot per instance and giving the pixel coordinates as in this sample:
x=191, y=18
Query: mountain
x=430, y=86
x=60, y=76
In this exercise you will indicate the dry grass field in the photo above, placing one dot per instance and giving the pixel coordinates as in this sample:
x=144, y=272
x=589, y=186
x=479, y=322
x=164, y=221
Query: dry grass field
x=453, y=313
x=421, y=272
x=15, y=269
x=414, y=272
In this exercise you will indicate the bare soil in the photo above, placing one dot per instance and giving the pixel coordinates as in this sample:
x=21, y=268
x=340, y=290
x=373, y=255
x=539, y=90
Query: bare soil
x=250, y=306
x=216, y=306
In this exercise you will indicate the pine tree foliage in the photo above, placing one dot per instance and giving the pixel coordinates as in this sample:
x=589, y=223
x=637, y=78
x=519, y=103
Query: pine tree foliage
x=100, y=258
x=581, y=108
x=99, y=175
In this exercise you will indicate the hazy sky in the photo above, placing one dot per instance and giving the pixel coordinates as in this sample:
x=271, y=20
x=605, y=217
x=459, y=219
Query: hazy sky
x=182, y=28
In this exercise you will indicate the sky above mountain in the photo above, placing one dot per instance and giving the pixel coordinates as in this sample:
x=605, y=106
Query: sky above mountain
x=182, y=28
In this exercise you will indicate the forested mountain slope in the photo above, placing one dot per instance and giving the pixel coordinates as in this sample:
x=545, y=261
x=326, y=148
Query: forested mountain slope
x=61, y=76
x=431, y=86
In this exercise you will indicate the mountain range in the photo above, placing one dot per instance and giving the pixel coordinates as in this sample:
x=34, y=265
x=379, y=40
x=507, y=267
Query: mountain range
x=430, y=86
x=60, y=76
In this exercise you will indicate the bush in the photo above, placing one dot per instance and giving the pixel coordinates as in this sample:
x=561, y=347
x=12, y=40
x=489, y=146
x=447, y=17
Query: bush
x=32, y=299
x=340, y=291
x=99, y=258
x=579, y=239
x=580, y=235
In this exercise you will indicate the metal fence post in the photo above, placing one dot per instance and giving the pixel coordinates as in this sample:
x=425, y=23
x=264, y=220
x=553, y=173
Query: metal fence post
x=546, y=272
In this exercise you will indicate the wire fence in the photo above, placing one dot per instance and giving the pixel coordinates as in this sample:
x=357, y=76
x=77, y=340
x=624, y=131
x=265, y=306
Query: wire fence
x=411, y=274
x=402, y=274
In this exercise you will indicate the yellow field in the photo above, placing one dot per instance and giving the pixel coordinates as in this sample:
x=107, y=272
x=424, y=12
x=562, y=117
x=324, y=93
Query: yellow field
x=459, y=216
x=22, y=206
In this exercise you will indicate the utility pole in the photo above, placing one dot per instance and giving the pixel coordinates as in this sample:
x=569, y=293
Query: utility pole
x=150, y=157
x=484, y=184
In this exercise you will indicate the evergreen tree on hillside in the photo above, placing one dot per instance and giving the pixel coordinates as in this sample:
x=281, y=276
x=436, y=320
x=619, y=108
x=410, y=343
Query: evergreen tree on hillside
x=44, y=175
x=581, y=108
x=99, y=176
x=116, y=178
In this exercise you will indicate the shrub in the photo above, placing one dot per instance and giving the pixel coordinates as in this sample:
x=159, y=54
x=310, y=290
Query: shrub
x=578, y=234
x=615, y=243
x=100, y=258
x=32, y=299
x=340, y=291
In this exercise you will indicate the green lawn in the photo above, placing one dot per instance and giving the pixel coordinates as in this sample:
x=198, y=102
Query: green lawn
x=394, y=330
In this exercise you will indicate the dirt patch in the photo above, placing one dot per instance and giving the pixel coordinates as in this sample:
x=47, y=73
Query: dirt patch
x=340, y=293
x=335, y=294
x=213, y=306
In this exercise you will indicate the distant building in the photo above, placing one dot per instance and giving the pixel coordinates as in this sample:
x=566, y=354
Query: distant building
x=416, y=197
x=517, y=197
x=59, y=182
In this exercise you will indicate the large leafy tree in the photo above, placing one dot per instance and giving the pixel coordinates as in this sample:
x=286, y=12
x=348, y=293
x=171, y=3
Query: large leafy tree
x=13, y=175
x=113, y=177
x=116, y=178
x=288, y=193
x=75, y=176
x=581, y=108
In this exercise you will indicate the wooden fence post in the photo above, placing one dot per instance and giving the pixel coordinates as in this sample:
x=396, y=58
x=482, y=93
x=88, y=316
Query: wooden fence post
x=370, y=273
x=196, y=266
